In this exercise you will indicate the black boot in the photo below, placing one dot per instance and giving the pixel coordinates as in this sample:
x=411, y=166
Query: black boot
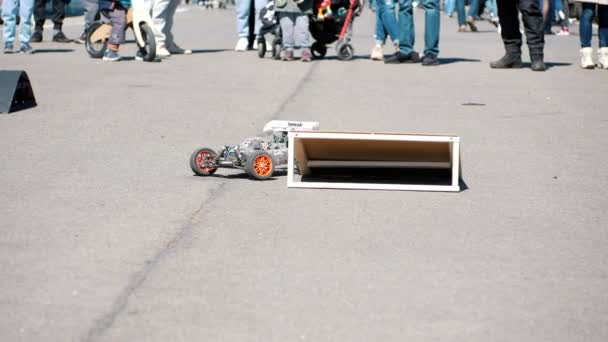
x=37, y=36
x=537, y=63
x=510, y=60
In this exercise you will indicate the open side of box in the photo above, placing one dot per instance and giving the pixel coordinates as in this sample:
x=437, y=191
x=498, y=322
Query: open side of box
x=381, y=161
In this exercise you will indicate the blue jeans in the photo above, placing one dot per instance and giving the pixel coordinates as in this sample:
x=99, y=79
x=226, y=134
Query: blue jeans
x=586, y=27
x=449, y=7
x=243, y=7
x=386, y=21
x=9, y=15
x=431, y=26
x=460, y=10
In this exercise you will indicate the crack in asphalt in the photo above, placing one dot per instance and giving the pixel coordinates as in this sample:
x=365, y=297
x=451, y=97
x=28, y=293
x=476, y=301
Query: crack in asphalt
x=105, y=322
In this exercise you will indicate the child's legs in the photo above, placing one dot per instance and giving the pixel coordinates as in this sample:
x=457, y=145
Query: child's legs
x=287, y=23
x=586, y=26
x=26, y=10
x=119, y=24
x=302, y=34
x=380, y=35
x=602, y=31
x=9, y=15
x=386, y=8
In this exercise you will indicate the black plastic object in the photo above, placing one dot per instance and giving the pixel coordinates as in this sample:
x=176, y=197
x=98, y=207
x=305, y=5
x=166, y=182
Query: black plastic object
x=15, y=91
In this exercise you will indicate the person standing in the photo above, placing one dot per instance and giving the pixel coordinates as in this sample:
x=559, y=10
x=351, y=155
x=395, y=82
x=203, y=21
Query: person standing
x=406, y=53
x=511, y=36
x=91, y=11
x=57, y=18
x=9, y=17
x=243, y=11
x=590, y=9
x=386, y=25
x=163, y=12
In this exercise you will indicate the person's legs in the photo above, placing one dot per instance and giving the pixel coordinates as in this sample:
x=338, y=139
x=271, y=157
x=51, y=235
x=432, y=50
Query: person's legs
x=9, y=15
x=602, y=31
x=287, y=22
x=533, y=25
x=586, y=24
x=170, y=13
x=26, y=9
x=450, y=6
x=509, y=22
x=406, y=27
x=302, y=35
x=386, y=10
x=159, y=19
x=259, y=4
x=91, y=7
x=473, y=8
x=431, y=26
x=242, y=17
x=39, y=15
x=58, y=15
x=119, y=24
x=380, y=34
x=462, y=15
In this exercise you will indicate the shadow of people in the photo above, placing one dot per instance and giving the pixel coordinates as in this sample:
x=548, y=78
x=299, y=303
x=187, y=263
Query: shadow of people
x=209, y=50
x=550, y=65
x=53, y=50
x=450, y=60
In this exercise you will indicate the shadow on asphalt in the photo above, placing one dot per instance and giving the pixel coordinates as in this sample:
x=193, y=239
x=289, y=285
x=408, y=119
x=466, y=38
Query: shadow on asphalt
x=550, y=65
x=457, y=60
x=53, y=50
x=336, y=57
x=210, y=50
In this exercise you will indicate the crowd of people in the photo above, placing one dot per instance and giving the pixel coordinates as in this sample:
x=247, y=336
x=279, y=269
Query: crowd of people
x=394, y=21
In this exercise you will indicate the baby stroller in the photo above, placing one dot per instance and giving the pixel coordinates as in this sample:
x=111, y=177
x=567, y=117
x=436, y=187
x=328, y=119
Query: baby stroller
x=332, y=22
x=270, y=24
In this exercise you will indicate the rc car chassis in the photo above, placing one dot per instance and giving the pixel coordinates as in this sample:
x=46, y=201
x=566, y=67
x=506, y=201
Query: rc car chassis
x=258, y=156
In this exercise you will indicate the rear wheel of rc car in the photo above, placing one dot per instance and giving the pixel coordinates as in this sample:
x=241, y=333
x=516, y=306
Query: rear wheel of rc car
x=260, y=165
x=318, y=50
x=203, y=162
x=98, y=48
x=261, y=48
x=345, y=51
x=148, y=50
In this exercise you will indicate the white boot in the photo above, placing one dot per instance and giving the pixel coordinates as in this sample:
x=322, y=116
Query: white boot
x=586, y=60
x=603, y=58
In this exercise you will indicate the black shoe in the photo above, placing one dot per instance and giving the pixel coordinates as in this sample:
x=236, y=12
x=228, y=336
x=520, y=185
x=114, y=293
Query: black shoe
x=508, y=61
x=398, y=57
x=59, y=37
x=430, y=59
x=36, y=37
x=537, y=63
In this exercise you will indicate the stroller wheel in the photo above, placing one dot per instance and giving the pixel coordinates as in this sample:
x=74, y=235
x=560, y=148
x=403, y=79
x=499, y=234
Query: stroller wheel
x=96, y=40
x=261, y=48
x=148, y=50
x=345, y=51
x=276, y=50
x=318, y=50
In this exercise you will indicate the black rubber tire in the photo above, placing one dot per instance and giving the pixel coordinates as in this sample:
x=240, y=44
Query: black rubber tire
x=97, y=49
x=318, y=50
x=276, y=50
x=251, y=169
x=149, y=50
x=261, y=48
x=196, y=165
x=345, y=51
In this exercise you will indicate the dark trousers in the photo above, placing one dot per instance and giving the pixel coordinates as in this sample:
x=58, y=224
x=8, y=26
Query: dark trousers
x=58, y=13
x=533, y=25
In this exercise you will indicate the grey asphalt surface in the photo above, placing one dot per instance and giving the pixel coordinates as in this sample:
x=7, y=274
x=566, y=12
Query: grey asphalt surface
x=107, y=236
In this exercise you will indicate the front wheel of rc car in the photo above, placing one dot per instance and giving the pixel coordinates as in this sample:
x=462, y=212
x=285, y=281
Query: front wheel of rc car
x=260, y=165
x=149, y=50
x=345, y=51
x=96, y=48
x=203, y=162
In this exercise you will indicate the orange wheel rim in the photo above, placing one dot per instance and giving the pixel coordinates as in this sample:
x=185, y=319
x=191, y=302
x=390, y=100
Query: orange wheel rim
x=262, y=165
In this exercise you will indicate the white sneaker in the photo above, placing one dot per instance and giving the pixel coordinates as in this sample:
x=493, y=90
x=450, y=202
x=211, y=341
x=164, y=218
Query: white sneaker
x=242, y=44
x=586, y=60
x=176, y=50
x=377, y=53
x=162, y=52
x=603, y=58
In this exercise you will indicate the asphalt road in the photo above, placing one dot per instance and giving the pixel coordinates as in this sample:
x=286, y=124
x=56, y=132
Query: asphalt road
x=107, y=236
